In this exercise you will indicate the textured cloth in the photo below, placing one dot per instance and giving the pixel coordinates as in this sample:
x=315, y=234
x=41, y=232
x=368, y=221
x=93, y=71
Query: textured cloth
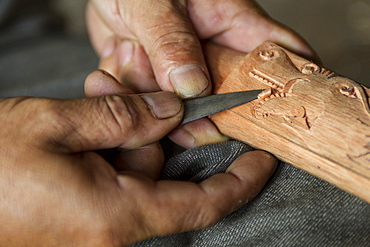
x=190, y=165
x=294, y=209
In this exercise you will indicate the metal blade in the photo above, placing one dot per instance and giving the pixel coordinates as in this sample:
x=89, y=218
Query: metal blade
x=204, y=106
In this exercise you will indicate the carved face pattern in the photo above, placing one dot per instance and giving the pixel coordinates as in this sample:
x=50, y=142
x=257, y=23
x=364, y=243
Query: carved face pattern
x=306, y=98
x=313, y=86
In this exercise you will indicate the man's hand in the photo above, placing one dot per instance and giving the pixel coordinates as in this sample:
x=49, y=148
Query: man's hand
x=56, y=191
x=155, y=44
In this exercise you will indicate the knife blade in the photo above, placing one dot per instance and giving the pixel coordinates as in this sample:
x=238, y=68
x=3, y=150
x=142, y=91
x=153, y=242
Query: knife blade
x=200, y=107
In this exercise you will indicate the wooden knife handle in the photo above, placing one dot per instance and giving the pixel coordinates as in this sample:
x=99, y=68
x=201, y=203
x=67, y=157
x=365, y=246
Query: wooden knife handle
x=308, y=116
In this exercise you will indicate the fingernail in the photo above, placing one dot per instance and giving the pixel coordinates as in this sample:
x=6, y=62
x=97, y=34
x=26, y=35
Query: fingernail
x=106, y=73
x=189, y=80
x=197, y=133
x=183, y=137
x=126, y=52
x=110, y=45
x=163, y=104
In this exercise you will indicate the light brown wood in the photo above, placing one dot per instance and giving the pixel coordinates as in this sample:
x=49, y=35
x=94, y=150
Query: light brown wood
x=308, y=116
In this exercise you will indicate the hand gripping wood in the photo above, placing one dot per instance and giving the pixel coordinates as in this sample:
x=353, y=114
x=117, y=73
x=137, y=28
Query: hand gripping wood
x=308, y=116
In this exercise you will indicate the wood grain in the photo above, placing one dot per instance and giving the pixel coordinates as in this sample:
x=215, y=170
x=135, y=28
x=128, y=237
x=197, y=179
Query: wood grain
x=308, y=116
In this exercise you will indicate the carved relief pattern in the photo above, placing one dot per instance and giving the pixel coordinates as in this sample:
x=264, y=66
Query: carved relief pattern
x=301, y=97
x=310, y=101
x=307, y=115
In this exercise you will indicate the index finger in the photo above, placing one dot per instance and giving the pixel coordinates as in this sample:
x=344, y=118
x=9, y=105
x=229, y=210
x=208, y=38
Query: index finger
x=167, y=35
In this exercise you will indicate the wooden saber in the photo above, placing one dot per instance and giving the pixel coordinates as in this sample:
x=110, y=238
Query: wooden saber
x=308, y=116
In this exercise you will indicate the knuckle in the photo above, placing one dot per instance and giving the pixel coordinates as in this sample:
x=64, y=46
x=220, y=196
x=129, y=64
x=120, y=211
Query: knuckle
x=19, y=117
x=205, y=216
x=124, y=115
x=209, y=211
x=176, y=43
x=172, y=40
x=208, y=216
x=51, y=122
x=202, y=215
x=167, y=33
x=47, y=117
x=38, y=119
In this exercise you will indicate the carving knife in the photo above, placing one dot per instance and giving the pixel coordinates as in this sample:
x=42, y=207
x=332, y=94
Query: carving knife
x=200, y=107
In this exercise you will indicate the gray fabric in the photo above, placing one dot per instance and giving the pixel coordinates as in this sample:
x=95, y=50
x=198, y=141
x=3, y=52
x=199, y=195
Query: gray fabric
x=219, y=158
x=294, y=209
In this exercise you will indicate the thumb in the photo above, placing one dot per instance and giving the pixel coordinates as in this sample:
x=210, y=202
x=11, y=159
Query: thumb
x=127, y=121
x=171, y=44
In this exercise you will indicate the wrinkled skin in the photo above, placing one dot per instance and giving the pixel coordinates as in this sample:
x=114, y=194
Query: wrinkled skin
x=155, y=44
x=56, y=191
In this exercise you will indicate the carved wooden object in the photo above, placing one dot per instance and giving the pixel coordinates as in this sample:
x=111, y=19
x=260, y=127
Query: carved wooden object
x=308, y=116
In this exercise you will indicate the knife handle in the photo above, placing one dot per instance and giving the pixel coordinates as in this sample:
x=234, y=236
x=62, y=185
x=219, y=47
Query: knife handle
x=309, y=117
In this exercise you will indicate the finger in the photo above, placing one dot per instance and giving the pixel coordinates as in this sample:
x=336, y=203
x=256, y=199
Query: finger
x=137, y=73
x=184, y=206
x=197, y=133
x=133, y=75
x=124, y=58
x=243, y=25
x=100, y=83
x=98, y=31
x=265, y=30
x=127, y=121
x=110, y=60
x=147, y=161
x=129, y=63
x=171, y=44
